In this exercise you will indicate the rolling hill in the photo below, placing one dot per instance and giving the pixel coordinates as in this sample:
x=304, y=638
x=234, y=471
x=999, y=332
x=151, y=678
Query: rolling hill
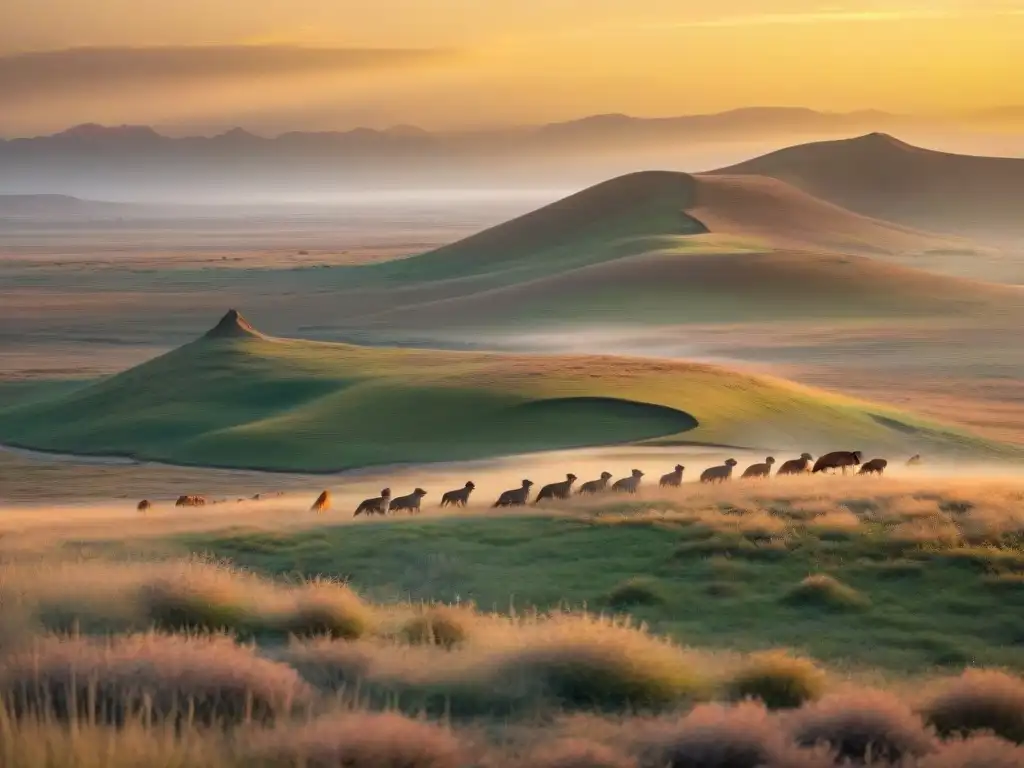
x=879, y=176
x=671, y=247
x=236, y=398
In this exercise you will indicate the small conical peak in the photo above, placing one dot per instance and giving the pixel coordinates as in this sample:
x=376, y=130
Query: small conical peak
x=232, y=326
x=880, y=139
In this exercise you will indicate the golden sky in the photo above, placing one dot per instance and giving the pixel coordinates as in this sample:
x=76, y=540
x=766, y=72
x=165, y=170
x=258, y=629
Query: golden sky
x=274, y=65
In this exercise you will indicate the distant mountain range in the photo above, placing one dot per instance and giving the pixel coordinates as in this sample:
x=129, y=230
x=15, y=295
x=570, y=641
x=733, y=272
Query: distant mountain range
x=139, y=163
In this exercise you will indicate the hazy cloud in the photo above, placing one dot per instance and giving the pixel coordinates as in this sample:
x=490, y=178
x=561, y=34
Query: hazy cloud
x=49, y=73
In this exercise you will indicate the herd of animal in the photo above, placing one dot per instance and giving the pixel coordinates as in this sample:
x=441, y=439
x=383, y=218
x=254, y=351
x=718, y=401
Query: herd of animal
x=517, y=497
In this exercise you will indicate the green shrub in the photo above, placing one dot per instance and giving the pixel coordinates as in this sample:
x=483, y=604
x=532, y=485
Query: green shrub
x=438, y=625
x=778, y=680
x=635, y=591
x=823, y=591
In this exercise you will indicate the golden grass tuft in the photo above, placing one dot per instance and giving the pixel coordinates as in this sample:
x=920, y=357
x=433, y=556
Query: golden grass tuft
x=820, y=590
x=715, y=736
x=978, y=700
x=576, y=753
x=325, y=608
x=862, y=726
x=360, y=740
x=778, y=680
x=439, y=625
x=207, y=679
x=975, y=752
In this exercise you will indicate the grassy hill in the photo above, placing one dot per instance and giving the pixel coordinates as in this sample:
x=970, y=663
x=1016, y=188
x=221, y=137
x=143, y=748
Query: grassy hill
x=880, y=176
x=236, y=398
x=668, y=247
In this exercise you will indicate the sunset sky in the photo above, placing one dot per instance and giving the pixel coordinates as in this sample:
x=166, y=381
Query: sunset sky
x=275, y=65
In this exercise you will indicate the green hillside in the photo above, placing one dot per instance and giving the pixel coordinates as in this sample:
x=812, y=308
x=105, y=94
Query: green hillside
x=235, y=398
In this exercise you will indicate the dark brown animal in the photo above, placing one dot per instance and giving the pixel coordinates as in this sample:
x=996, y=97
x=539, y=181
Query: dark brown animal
x=458, y=498
x=190, y=501
x=837, y=460
x=410, y=503
x=596, y=486
x=914, y=460
x=322, y=503
x=759, y=470
x=517, y=497
x=796, y=466
x=629, y=484
x=560, y=490
x=375, y=506
x=874, y=467
x=719, y=474
x=144, y=505
x=673, y=479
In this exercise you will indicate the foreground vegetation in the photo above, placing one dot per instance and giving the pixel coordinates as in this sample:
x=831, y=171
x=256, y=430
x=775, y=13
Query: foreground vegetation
x=746, y=626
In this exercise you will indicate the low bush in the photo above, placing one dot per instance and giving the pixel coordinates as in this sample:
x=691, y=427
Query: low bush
x=438, y=625
x=823, y=591
x=635, y=591
x=979, y=700
x=715, y=736
x=778, y=680
x=360, y=740
x=153, y=677
x=868, y=725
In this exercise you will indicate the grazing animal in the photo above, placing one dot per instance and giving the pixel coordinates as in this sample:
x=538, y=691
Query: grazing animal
x=560, y=490
x=322, y=503
x=874, y=467
x=596, y=486
x=144, y=505
x=796, y=466
x=628, y=484
x=410, y=503
x=759, y=470
x=719, y=474
x=190, y=501
x=458, y=498
x=914, y=460
x=837, y=460
x=517, y=497
x=673, y=479
x=376, y=506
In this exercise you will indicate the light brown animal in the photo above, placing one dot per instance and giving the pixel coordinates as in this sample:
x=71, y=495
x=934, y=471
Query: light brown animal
x=458, y=498
x=914, y=460
x=874, y=467
x=759, y=470
x=596, y=486
x=144, y=505
x=410, y=503
x=560, y=490
x=190, y=501
x=629, y=484
x=837, y=460
x=796, y=466
x=322, y=503
x=375, y=506
x=673, y=479
x=719, y=474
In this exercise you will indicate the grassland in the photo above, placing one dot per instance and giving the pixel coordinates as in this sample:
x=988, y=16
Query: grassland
x=244, y=400
x=846, y=611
